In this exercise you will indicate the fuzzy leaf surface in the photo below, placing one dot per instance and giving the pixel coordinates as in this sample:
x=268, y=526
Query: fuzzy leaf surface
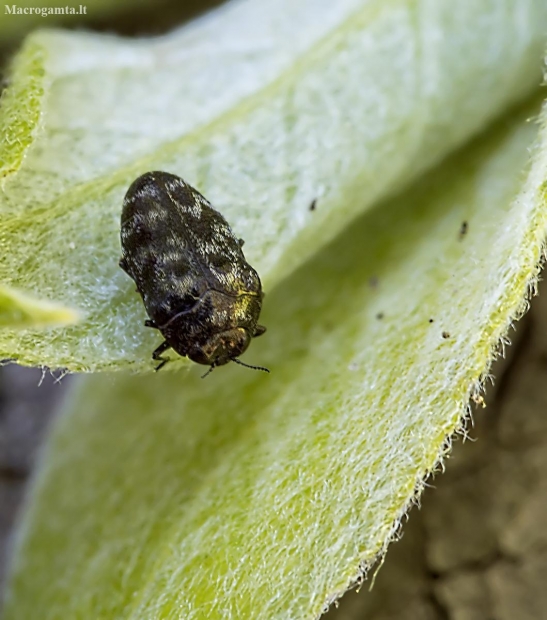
x=263, y=107
x=250, y=496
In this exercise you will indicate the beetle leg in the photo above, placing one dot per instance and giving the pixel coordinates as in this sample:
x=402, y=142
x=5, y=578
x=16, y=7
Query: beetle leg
x=208, y=372
x=156, y=355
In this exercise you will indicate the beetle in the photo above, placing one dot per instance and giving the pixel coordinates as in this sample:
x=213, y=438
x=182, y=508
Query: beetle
x=189, y=268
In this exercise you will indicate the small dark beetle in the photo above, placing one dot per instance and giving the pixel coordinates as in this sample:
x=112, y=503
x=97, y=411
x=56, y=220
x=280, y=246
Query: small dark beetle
x=196, y=285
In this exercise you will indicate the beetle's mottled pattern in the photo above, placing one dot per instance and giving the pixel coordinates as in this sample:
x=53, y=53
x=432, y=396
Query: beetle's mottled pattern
x=189, y=268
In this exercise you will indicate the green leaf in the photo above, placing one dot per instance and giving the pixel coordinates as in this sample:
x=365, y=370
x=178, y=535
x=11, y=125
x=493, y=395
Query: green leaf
x=263, y=107
x=252, y=496
x=20, y=108
x=19, y=310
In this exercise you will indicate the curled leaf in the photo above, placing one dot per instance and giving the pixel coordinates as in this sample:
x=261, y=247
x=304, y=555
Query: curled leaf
x=367, y=95
x=252, y=496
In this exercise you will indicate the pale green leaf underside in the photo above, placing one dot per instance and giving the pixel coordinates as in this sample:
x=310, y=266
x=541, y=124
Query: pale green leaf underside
x=251, y=496
x=263, y=107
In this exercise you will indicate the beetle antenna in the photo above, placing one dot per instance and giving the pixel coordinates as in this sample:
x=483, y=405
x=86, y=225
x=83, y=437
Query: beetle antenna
x=234, y=359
